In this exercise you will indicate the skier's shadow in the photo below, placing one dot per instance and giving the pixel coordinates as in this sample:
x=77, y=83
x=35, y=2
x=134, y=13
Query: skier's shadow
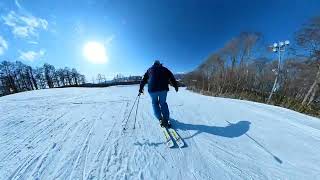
x=232, y=130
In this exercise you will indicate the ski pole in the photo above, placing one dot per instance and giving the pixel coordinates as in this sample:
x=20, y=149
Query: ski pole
x=135, y=118
x=126, y=121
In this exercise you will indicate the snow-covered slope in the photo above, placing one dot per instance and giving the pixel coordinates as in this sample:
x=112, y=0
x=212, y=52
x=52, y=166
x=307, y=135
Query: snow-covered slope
x=76, y=133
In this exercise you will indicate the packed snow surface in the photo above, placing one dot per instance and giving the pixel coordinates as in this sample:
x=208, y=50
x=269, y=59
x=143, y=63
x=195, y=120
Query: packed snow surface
x=77, y=133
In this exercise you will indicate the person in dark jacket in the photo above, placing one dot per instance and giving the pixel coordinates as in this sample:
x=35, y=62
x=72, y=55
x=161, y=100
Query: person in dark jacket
x=158, y=79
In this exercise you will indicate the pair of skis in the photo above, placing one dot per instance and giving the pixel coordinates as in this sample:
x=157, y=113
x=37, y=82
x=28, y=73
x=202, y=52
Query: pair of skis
x=170, y=134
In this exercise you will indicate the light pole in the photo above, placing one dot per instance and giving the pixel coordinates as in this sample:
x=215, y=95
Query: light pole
x=277, y=48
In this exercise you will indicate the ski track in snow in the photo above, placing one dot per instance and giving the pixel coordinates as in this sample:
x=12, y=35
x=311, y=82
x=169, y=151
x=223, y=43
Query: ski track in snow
x=77, y=133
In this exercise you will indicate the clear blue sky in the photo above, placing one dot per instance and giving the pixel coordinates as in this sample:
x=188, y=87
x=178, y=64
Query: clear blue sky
x=179, y=33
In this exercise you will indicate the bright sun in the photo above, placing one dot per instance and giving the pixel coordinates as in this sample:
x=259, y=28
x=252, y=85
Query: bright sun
x=95, y=52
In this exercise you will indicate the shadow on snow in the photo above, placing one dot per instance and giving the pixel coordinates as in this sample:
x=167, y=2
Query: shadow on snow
x=232, y=130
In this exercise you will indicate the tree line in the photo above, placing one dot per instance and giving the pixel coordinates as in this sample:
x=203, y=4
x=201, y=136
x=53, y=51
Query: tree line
x=245, y=68
x=17, y=77
x=101, y=79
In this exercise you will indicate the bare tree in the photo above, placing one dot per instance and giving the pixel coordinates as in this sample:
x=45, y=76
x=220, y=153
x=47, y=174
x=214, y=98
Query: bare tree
x=17, y=77
x=33, y=80
x=309, y=39
x=99, y=78
x=61, y=76
x=49, y=72
x=67, y=75
x=8, y=76
x=241, y=70
x=75, y=76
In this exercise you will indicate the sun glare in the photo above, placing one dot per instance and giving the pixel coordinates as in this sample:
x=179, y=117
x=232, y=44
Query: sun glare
x=95, y=53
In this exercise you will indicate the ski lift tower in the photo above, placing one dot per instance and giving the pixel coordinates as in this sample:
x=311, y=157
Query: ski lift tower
x=279, y=48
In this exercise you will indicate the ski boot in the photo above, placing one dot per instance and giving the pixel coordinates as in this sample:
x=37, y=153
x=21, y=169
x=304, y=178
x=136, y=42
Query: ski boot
x=165, y=123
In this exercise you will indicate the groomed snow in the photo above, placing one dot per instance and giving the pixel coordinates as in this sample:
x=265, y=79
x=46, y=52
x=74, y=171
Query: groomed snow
x=76, y=133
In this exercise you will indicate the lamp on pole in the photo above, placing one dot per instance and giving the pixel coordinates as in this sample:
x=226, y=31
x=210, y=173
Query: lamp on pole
x=278, y=48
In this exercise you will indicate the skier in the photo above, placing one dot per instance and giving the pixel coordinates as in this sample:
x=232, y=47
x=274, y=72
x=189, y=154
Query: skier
x=158, y=78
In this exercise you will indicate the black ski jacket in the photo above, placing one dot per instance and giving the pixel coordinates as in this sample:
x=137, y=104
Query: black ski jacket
x=158, y=79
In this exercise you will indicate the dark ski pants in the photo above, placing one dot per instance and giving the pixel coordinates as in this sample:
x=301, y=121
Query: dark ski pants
x=159, y=104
